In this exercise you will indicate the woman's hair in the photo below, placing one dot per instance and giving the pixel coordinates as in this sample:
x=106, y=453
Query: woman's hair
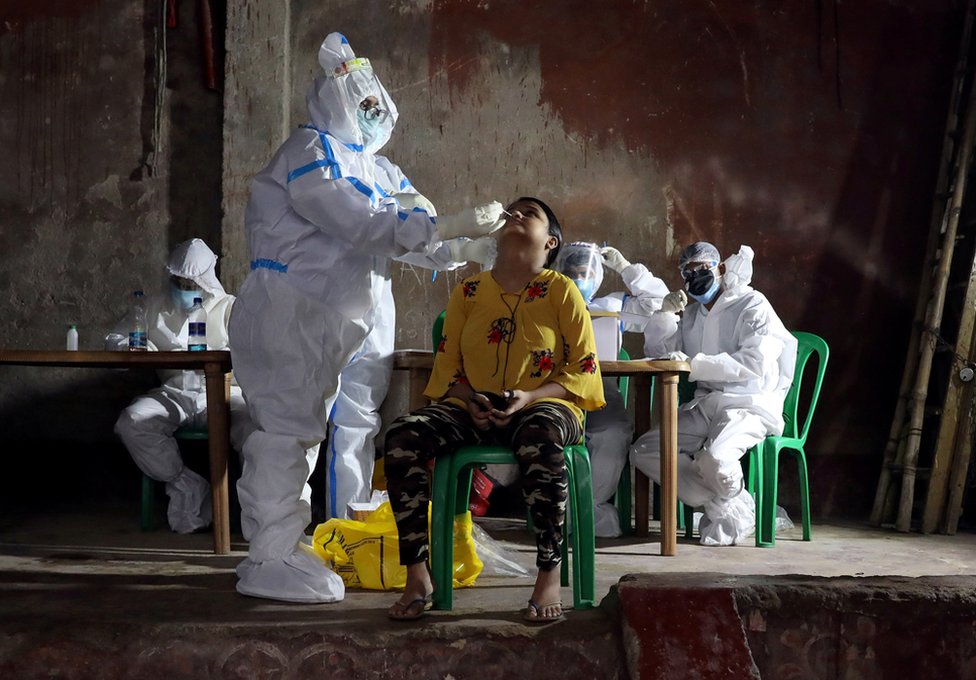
x=554, y=228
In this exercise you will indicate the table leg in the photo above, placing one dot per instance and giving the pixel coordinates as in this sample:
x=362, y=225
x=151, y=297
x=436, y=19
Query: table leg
x=669, y=462
x=642, y=424
x=218, y=434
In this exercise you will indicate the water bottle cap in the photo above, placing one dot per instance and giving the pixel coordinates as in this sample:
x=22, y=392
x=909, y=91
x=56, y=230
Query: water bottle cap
x=73, y=326
x=138, y=293
x=198, y=300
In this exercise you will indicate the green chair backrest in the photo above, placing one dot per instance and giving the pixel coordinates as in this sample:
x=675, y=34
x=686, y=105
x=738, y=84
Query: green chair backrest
x=623, y=382
x=686, y=389
x=808, y=344
x=437, y=331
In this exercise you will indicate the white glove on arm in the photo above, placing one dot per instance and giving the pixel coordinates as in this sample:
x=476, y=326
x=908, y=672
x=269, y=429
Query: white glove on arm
x=613, y=259
x=482, y=250
x=674, y=302
x=411, y=201
x=471, y=222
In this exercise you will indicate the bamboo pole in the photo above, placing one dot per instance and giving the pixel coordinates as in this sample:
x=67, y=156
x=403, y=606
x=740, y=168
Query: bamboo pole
x=893, y=452
x=961, y=463
x=933, y=318
x=954, y=405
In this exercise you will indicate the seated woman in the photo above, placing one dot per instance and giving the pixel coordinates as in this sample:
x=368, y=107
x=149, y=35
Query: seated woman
x=516, y=366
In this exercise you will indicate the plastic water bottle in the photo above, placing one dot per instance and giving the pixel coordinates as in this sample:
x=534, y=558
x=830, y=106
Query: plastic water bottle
x=72, y=342
x=138, y=342
x=197, y=317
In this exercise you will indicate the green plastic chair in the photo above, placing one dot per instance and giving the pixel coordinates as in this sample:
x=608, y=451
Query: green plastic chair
x=793, y=439
x=452, y=482
x=450, y=494
x=622, y=497
x=148, y=521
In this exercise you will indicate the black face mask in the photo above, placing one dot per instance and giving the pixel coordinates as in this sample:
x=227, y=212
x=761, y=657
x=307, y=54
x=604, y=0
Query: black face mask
x=699, y=281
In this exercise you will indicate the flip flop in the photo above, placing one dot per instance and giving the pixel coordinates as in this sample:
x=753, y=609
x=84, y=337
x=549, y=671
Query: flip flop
x=409, y=611
x=533, y=613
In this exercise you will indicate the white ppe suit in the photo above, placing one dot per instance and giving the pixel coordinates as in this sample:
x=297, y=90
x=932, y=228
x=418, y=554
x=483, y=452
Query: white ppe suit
x=354, y=417
x=609, y=431
x=322, y=224
x=147, y=425
x=742, y=361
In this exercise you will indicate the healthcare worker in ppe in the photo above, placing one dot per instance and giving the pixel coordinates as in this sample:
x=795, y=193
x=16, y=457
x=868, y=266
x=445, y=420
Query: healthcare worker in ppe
x=325, y=218
x=609, y=431
x=742, y=361
x=147, y=425
x=354, y=414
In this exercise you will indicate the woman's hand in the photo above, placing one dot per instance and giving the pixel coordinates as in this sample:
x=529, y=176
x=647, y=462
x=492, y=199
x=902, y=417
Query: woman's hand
x=480, y=409
x=517, y=400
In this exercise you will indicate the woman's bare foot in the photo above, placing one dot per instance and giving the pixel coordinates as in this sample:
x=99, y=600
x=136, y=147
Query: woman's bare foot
x=545, y=604
x=416, y=594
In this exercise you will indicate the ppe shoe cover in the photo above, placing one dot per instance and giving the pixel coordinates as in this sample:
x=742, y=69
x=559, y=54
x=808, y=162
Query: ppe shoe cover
x=606, y=521
x=300, y=577
x=189, y=502
x=728, y=521
x=244, y=567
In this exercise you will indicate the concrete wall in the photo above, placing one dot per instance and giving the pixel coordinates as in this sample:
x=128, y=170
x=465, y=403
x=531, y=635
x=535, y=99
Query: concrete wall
x=100, y=106
x=808, y=130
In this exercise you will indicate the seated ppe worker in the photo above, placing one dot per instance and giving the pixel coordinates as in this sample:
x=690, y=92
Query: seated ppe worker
x=742, y=362
x=609, y=431
x=147, y=425
x=516, y=366
x=325, y=218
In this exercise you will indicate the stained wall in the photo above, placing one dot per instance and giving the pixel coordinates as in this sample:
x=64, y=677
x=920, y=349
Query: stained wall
x=809, y=130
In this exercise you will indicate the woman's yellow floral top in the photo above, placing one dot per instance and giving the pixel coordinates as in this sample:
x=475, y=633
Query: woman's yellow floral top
x=496, y=341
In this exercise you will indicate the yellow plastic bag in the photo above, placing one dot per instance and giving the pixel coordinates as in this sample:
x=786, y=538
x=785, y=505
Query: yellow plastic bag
x=367, y=554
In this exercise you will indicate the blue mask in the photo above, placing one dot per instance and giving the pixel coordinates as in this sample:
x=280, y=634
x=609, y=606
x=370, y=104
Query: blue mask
x=183, y=299
x=587, y=287
x=702, y=285
x=366, y=126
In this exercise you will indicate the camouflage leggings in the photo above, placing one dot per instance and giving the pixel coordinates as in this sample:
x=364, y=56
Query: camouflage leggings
x=537, y=434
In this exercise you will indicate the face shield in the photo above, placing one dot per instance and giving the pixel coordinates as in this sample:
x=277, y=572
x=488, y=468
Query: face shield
x=182, y=292
x=581, y=262
x=349, y=101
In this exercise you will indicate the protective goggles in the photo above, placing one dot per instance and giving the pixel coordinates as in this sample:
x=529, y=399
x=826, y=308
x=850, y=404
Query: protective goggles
x=690, y=271
x=373, y=111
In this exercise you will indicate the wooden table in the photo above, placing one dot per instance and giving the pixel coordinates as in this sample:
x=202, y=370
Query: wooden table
x=642, y=371
x=418, y=363
x=216, y=366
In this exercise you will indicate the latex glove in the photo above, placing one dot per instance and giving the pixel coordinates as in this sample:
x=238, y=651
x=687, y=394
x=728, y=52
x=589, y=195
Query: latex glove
x=613, y=259
x=677, y=356
x=674, y=302
x=410, y=201
x=482, y=250
x=471, y=222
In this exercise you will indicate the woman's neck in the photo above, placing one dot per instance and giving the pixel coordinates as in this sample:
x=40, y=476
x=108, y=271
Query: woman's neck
x=512, y=273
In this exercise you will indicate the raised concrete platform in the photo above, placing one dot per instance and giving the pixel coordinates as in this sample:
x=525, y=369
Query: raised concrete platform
x=84, y=594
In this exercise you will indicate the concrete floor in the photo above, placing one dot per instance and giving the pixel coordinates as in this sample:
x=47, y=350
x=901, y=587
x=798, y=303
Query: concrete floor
x=85, y=594
x=104, y=541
